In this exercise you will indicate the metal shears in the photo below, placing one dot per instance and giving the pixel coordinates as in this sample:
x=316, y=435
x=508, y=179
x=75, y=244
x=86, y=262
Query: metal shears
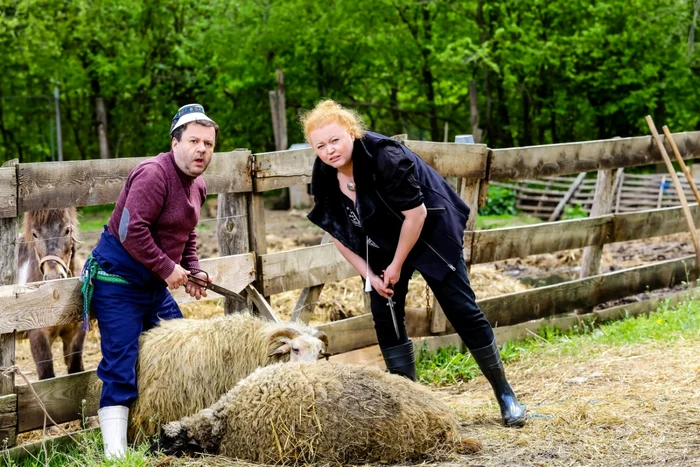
x=204, y=283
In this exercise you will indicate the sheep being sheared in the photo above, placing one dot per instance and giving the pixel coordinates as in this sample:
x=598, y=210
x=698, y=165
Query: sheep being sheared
x=324, y=413
x=186, y=365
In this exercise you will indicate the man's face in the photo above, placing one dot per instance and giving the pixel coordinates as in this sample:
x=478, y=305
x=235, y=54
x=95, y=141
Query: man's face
x=194, y=150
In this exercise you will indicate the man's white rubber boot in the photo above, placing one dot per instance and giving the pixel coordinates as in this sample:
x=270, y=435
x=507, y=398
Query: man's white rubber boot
x=113, y=422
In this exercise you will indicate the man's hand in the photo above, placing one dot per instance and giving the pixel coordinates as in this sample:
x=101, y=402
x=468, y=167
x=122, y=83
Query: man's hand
x=195, y=290
x=378, y=285
x=177, y=278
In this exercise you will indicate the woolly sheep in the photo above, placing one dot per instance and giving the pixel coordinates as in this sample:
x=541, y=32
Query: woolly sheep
x=327, y=413
x=186, y=365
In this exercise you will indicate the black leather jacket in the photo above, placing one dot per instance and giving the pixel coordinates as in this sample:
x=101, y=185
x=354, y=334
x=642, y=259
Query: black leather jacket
x=389, y=178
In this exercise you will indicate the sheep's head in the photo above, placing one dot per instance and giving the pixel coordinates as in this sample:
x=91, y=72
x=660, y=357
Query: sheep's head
x=299, y=346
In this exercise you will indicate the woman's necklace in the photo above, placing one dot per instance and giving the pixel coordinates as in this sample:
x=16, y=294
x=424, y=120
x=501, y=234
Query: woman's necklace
x=351, y=185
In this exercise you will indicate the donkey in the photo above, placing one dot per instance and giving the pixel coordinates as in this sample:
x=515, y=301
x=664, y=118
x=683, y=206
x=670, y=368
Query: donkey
x=46, y=252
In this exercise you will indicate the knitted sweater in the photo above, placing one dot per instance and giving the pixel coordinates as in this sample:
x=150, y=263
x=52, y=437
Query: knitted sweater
x=156, y=213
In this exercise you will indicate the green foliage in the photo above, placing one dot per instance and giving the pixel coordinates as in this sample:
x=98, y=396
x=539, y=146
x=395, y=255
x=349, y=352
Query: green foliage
x=574, y=212
x=545, y=72
x=499, y=201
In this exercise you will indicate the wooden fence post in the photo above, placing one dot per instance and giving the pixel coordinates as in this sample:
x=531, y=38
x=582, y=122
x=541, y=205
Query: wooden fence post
x=8, y=275
x=232, y=233
x=256, y=233
x=469, y=191
x=304, y=308
x=602, y=204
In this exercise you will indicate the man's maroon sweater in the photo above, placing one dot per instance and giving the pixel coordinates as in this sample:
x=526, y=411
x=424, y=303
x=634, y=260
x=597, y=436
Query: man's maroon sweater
x=156, y=214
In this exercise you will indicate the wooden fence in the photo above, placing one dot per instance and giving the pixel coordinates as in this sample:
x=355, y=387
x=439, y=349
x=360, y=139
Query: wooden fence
x=240, y=178
x=546, y=198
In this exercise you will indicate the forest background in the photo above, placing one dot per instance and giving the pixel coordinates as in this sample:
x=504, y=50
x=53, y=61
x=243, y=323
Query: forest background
x=540, y=71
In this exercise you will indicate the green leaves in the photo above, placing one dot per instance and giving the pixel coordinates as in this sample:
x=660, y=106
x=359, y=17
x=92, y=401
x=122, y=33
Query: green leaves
x=545, y=71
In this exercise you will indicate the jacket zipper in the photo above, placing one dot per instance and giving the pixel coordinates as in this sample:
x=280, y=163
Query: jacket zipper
x=449, y=265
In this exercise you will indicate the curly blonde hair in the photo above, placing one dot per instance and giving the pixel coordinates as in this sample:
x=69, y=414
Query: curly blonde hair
x=329, y=111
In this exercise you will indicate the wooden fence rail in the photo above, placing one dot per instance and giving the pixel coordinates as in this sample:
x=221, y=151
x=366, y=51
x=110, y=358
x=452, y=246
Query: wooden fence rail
x=240, y=173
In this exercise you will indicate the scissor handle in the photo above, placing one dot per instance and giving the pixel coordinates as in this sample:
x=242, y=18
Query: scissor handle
x=198, y=280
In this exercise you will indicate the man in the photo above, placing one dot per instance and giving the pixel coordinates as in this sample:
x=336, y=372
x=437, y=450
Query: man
x=149, y=243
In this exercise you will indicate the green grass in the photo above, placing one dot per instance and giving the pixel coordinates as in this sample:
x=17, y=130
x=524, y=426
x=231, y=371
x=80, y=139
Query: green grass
x=449, y=366
x=93, y=218
x=445, y=367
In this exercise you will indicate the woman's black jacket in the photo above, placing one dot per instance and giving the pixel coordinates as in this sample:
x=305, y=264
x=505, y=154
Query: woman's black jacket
x=389, y=178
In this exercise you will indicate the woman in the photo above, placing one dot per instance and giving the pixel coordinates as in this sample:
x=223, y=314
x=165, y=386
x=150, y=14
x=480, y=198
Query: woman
x=389, y=213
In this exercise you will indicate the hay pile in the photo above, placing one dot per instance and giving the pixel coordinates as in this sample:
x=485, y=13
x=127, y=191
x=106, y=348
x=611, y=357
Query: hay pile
x=345, y=299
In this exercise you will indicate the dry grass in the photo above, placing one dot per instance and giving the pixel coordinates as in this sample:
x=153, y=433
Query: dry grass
x=603, y=406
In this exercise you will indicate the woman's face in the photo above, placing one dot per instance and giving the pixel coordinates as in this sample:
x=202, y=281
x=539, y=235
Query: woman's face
x=333, y=144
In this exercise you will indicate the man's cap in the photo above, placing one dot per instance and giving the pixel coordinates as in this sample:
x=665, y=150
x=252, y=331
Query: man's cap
x=188, y=113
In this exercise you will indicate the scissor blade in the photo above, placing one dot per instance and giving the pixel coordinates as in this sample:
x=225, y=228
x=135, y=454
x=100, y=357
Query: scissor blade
x=393, y=317
x=225, y=292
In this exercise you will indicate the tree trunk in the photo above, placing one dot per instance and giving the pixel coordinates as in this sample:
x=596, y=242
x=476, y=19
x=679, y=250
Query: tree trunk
x=474, y=112
x=428, y=77
x=101, y=115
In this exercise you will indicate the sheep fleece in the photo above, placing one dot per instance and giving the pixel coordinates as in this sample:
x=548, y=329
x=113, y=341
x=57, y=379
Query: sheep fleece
x=327, y=412
x=186, y=365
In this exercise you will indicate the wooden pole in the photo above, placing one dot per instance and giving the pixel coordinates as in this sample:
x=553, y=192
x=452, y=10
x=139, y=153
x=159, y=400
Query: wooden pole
x=681, y=163
x=232, y=234
x=9, y=227
x=304, y=308
x=677, y=184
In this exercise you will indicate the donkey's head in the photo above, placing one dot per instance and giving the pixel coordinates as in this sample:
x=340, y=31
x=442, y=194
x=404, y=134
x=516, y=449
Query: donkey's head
x=52, y=235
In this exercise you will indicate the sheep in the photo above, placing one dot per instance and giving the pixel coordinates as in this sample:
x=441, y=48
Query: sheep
x=320, y=413
x=186, y=365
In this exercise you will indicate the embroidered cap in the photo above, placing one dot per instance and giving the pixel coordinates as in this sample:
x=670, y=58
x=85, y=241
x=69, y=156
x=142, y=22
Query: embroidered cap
x=188, y=113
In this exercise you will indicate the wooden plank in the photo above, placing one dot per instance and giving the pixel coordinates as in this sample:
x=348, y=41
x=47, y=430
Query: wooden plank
x=303, y=267
x=350, y=333
x=48, y=185
x=452, y=159
x=570, y=158
x=62, y=397
x=8, y=192
x=519, y=242
x=547, y=301
x=261, y=304
x=40, y=304
x=651, y=223
x=567, y=196
x=283, y=169
x=8, y=419
x=232, y=235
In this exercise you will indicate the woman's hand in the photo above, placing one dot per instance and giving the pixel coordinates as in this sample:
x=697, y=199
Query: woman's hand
x=392, y=274
x=378, y=285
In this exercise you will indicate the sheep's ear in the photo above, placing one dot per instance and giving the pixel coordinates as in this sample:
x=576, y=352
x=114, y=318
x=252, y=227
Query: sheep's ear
x=320, y=335
x=281, y=350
